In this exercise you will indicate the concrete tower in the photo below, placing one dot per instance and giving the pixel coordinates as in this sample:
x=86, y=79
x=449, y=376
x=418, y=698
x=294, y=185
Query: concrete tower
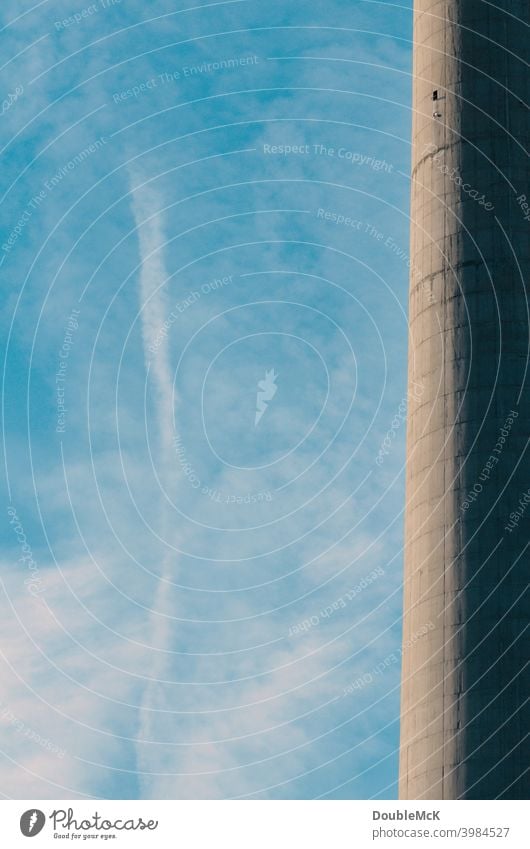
x=466, y=681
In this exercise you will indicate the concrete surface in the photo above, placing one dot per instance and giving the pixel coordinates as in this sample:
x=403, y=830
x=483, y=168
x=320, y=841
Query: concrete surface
x=465, y=689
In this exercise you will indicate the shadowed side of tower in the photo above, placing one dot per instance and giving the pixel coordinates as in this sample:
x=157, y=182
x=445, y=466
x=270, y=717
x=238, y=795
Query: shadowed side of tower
x=465, y=710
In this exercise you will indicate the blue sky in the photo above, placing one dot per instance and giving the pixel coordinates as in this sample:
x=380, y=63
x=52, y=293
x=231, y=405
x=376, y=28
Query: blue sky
x=192, y=199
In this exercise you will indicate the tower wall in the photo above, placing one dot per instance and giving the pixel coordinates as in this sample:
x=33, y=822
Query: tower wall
x=466, y=599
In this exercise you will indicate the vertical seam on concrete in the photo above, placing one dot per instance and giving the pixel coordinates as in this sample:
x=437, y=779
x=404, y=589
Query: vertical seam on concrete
x=442, y=299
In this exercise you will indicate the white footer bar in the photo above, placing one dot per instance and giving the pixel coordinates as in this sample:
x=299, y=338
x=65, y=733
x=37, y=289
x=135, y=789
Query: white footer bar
x=264, y=824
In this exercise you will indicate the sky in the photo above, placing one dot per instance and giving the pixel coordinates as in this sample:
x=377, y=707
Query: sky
x=204, y=262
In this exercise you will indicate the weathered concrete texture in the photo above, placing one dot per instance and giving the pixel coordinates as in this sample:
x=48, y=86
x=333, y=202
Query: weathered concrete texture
x=465, y=708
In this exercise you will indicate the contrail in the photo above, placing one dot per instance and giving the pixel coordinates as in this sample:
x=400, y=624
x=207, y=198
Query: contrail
x=146, y=204
x=153, y=303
